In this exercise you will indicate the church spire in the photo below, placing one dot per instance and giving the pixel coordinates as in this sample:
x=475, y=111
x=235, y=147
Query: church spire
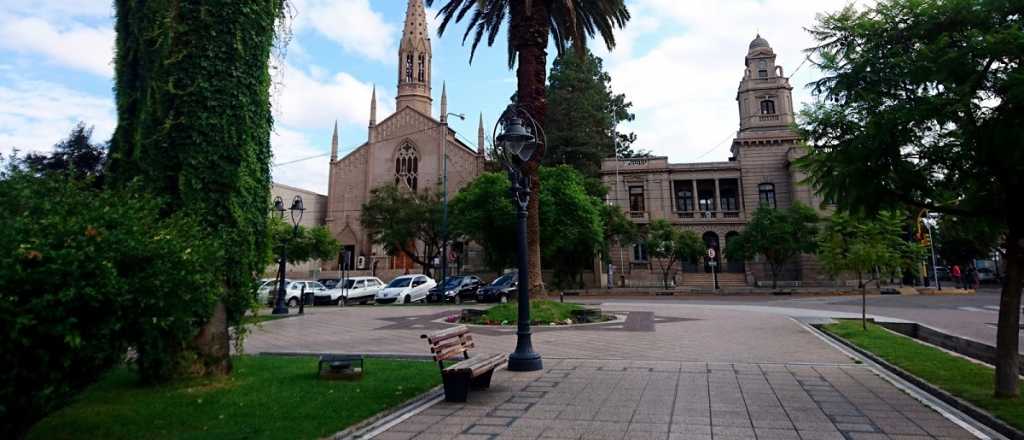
x=414, y=56
x=480, y=136
x=334, y=142
x=444, y=102
x=373, y=114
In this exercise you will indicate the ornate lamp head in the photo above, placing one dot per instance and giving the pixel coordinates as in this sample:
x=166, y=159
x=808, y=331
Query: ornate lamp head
x=297, y=207
x=520, y=136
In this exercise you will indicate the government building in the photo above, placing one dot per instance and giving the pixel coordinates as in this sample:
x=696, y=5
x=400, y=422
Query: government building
x=716, y=199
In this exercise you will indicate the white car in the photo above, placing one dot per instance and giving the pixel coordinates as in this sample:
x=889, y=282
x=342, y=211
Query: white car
x=405, y=289
x=265, y=294
x=293, y=291
x=361, y=289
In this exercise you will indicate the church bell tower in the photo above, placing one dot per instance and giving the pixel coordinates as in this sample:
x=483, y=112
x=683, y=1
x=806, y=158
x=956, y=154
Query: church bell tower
x=414, y=61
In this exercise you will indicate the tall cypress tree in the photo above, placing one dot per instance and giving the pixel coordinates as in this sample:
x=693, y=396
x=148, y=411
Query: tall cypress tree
x=194, y=123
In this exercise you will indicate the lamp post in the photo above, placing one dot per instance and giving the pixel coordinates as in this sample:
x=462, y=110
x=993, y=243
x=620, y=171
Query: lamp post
x=931, y=242
x=444, y=185
x=279, y=304
x=515, y=146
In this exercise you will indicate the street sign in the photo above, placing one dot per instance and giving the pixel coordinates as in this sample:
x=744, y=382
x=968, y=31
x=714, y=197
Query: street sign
x=711, y=252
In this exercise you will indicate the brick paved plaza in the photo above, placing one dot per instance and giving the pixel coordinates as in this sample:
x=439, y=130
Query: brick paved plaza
x=663, y=371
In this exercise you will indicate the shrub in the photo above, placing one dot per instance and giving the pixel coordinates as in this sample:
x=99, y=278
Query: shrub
x=85, y=276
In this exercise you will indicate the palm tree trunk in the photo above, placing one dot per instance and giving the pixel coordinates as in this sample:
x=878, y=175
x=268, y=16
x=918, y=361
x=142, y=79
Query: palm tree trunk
x=529, y=30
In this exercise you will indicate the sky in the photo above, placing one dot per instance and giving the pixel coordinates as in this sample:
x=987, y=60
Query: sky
x=678, y=61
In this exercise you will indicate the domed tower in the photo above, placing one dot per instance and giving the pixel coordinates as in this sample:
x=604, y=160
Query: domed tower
x=765, y=97
x=414, y=61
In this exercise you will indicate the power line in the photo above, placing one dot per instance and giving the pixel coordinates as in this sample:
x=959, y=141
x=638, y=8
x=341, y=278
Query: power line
x=719, y=144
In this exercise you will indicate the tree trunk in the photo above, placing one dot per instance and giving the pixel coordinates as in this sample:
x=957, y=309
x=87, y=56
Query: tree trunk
x=529, y=35
x=213, y=344
x=1008, y=333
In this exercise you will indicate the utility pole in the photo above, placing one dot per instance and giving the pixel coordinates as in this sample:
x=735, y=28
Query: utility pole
x=444, y=180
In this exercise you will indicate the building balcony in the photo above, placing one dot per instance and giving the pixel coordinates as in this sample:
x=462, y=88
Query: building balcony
x=768, y=118
x=708, y=215
x=642, y=216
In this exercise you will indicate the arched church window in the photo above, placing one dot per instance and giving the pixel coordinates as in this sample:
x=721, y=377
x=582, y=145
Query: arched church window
x=423, y=67
x=407, y=167
x=762, y=69
x=767, y=107
x=408, y=67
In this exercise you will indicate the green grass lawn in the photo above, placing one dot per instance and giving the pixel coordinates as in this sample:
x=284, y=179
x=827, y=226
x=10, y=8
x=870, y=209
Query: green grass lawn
x=542, y=312
x=256, y=319
x=266, y=398
x=960, y=377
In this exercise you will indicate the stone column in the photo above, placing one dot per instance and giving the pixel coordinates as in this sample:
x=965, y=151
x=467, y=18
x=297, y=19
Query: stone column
x=696, y=198
x=718, y=199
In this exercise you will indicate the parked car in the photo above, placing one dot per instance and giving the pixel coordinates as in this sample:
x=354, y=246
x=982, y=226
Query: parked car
x=293, y=291
x=329, y=283
x=943, y=273
x=355, y=289
x=406, y=288
x=267, y=289
x=456, y=289
x=987, y=275
x=502, y=289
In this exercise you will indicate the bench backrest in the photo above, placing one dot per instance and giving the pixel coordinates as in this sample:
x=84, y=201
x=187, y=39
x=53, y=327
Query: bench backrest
x=450, y=342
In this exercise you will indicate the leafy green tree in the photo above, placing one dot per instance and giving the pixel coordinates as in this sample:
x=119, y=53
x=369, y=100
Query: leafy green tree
x=779, y=235
x=669, y=245
x=572, y=233
x=76, y=155
x=920, y=104
x=192, y=84
x=617, y=228
x=870, y=248
x=405, y=221
x=307, y=244
x=962, y=240
x=86, y=274
x=482, y=212
x=530, y=23
x=583, y=112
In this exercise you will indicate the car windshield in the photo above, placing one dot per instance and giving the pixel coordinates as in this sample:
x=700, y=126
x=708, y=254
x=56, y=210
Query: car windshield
x=400, y=282
x=345, y=284
x=453, y=282
x=504, y=280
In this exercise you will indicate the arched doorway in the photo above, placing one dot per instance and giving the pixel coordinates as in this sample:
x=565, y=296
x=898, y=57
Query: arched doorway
x=733, y=266
x=711, y=242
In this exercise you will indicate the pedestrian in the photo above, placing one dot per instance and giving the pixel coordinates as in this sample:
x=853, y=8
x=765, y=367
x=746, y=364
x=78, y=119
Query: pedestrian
x=955, y=274
x=975, y=278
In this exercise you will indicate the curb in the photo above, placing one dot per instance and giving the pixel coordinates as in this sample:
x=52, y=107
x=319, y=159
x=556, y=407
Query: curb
x=979, y=415
x=381, y=421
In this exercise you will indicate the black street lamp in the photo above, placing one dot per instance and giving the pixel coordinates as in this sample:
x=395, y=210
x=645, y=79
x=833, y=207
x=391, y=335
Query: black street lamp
x=515, y=146
x=296, y=214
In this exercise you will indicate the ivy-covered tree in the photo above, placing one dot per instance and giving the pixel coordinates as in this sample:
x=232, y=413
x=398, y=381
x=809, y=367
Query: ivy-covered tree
x=920, y=104
x=307, y=244
x=669, y=245
x=407, y=222
x=192, y=84
x=779, y=235
x=583, y=113
x=872, y=248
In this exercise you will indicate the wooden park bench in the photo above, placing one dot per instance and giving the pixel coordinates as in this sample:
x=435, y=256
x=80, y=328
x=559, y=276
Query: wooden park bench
x=471, y=372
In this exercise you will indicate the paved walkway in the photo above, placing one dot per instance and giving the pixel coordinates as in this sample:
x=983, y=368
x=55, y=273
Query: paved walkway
x=662, y=371
x=593, y=399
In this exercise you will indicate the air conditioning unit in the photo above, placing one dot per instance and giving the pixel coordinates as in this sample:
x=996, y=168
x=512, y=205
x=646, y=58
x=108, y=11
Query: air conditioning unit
x=361, y=263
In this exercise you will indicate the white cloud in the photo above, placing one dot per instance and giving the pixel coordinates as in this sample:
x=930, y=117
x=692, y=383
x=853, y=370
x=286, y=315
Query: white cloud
x=351, y=23
x=34, y=115
x=290, y=147
x=683, y=83
x=77, y=46
x=59, y=9
x=302, y=101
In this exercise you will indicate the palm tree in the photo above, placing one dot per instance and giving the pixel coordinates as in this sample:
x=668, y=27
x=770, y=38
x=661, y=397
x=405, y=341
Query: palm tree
x=530, y=22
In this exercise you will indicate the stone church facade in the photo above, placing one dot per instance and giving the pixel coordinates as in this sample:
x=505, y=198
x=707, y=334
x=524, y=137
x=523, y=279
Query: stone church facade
x=716, y=199
x=403, y=149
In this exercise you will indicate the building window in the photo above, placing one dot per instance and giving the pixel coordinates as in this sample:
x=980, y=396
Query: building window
x=408, y=67
x=407, y=167
x=684, y=196
x=729, y=194
x=762, y=69
x=639, y=252
x=766, y=194
x=767, y=107
x=636, y=199
x=423, y=68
